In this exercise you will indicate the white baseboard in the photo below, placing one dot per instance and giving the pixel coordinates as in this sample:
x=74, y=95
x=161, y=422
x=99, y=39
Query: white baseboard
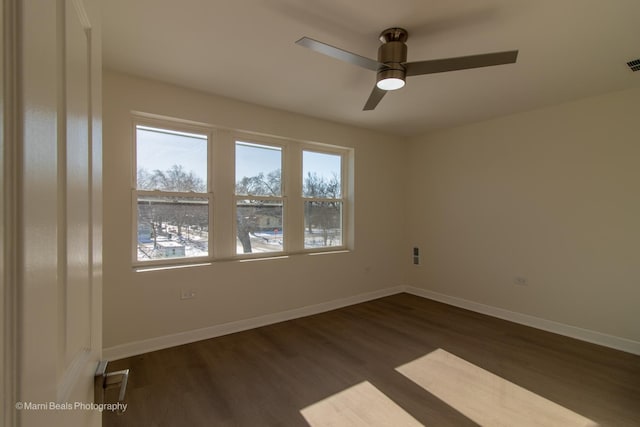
x=606, y=340
x=158, y=343
x=166, y=341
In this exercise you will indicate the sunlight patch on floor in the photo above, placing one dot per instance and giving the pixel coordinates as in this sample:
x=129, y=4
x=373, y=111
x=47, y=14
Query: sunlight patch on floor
x=485, y=398
x=360, y=405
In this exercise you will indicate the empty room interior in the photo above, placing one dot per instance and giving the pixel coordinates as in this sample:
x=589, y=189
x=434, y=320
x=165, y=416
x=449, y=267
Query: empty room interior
x=478, y=263
x=286, y=243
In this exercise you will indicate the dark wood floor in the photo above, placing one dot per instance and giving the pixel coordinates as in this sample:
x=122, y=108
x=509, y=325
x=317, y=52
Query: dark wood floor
x=265, y=376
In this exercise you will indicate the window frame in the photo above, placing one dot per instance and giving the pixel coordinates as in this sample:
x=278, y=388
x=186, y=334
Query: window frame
x=344, y=194
x=264, y=142
x=222, y=198
x=177, y=127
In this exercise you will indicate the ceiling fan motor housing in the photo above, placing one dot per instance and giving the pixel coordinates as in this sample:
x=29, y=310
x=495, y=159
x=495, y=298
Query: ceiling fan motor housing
x=392, y=53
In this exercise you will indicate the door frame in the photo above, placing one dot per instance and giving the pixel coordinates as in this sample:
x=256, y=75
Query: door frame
x=9, y=212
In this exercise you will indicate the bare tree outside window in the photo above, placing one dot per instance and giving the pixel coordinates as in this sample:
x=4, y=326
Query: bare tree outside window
x=172, y=194
x=173, y=179
x=324, y=215
x=259, y=201
x=172, y=198
x=322, y=193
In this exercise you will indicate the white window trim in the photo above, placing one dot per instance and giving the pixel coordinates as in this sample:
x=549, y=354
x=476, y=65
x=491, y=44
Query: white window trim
x=176, y=127
x=345, y=192
x=222, y=198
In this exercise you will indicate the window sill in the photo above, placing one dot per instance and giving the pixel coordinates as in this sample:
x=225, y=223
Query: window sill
x=199, y=263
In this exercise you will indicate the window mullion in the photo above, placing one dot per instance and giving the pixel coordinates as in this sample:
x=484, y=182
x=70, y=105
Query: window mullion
x=223, y=177
x=294, y=219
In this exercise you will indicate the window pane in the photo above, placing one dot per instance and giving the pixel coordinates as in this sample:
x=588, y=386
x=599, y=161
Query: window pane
x=170, y=161
x=321, y=175
x=322, y=224
x=172, y=227
x=258, y=169
x=259, y=226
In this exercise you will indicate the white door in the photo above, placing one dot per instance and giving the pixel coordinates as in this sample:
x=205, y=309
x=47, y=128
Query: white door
x=52, y=232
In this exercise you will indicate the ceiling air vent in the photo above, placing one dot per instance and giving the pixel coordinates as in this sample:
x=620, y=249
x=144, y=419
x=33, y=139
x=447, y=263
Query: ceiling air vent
x=634, y=65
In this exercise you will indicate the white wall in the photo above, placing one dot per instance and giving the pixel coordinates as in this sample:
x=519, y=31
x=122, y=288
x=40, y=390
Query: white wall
x=552, y=195
x=145, y=305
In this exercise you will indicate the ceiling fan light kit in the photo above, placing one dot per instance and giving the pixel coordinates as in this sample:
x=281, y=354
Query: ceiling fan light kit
x=392, y=53
x=390, y=80
x=392, y=67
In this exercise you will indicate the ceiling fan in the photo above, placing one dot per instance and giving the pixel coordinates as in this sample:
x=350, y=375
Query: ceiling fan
x=392, y=66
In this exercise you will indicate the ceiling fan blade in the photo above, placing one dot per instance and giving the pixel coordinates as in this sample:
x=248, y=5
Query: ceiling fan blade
x=374, y=98
x=460, y=63
x=340, y=54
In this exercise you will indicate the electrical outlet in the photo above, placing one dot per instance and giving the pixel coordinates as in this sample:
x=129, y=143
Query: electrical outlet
x=521, y=281
x=187, y=294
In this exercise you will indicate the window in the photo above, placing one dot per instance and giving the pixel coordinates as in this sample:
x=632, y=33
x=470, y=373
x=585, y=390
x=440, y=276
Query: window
x=171, y=194
x=322, y=194
x=259, y=201
x=272, y=196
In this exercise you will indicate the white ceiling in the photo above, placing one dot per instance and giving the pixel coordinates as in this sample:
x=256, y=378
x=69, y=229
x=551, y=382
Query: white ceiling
x=244, y=49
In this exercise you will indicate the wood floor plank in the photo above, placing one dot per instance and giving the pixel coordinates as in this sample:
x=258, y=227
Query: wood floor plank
x=362, y=405
x=267, y=376
x=486, y=398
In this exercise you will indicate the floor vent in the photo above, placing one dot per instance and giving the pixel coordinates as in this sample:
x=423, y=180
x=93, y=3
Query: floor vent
x=634, y=65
